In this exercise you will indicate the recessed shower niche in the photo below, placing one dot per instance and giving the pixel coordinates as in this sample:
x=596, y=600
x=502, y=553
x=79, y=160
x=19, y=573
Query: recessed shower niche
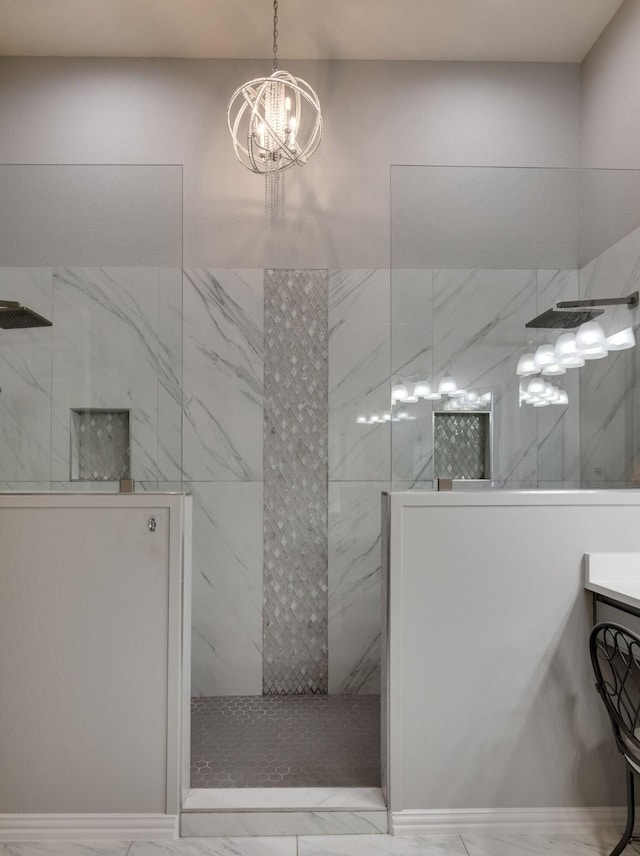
x=100, y=445
x=462, y=445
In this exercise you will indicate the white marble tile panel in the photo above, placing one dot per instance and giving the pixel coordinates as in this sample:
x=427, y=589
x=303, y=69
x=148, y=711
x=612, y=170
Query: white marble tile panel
x=558, y=426
x=615, y=272
x=200, y=799
x=258, y=846
x=411, y=322
x=412, y=360
x=25, y=487
x=381, y=845
x=607, y=430
x=170, y=374
x=106, y=356
x=412, y=485
x=355, y=607
x=478, y=328
x=223, y=374
x=227, y=588
x=359, y=362
x=25, y=379
x=577, y=844
x=283, y=823
x=66, y=848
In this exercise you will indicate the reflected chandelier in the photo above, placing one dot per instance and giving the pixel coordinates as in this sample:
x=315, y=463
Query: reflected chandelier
x=275, y=123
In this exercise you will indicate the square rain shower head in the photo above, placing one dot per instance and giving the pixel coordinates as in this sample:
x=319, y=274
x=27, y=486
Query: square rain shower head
x=563, y=319
x=13, y=316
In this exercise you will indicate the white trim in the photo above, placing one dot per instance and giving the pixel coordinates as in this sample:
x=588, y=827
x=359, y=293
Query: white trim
x=69, y=827
x=522, y=820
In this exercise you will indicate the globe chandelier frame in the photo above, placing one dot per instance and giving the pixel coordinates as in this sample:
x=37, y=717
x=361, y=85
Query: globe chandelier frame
x=275, y=123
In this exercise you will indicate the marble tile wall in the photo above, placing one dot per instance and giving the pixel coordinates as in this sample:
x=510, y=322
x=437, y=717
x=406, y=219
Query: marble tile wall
x=117, y=341
x=104, y=351
x=609, y=417
x=223, y=365
x=25, y=380
x=471, y=324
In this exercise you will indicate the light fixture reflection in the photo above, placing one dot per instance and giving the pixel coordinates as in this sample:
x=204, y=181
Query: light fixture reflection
x=622, y=340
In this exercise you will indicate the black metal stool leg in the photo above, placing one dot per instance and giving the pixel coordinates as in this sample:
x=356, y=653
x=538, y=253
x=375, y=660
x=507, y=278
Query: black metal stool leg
x=631, y=813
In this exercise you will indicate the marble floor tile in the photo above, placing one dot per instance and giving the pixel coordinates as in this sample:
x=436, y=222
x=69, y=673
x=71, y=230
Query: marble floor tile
x=588, y=843
x=380, y=845
x=65, y=848
x=257, y=846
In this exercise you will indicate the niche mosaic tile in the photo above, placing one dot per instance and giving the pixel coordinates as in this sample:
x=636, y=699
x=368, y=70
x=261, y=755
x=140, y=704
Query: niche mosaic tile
x=461, y=445
x=295, y=658
x=100, y=445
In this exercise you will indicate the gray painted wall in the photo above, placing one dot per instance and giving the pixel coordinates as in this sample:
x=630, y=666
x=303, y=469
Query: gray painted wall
x=610, y=82
x=376, y=113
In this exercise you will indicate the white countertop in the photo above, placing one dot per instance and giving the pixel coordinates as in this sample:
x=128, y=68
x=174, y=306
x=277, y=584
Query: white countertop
x=614, y=575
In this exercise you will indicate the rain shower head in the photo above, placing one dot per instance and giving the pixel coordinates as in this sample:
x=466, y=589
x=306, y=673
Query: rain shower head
x=580, y=311
x=14, y=316
x=558, y=319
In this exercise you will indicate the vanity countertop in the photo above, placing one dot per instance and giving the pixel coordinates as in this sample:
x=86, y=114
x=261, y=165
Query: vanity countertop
x=614, y=575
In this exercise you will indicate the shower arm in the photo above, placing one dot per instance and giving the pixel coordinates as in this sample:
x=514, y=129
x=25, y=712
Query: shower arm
x=631, y=301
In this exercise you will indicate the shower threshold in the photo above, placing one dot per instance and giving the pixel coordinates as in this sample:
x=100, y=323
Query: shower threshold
x=228, y=812
x=284, y=765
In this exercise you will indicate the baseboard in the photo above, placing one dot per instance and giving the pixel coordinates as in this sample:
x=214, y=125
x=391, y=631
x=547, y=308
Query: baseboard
x=75, y=827
x=524, y=820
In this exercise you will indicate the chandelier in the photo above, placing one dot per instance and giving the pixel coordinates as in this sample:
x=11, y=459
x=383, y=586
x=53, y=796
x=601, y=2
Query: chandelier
x=275, y=123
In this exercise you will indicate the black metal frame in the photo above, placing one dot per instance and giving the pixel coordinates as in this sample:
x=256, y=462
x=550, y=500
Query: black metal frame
x=615, y=656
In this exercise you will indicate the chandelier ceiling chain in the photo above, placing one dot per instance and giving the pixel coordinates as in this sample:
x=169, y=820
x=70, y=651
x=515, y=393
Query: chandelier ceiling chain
x=275, y=123
x=275, y=35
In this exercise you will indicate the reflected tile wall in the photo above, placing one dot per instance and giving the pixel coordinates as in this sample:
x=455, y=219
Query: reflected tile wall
x=559, y=427
x=412, y=360
x=170, y=374
x=227, y=588
x=359, y=353
x=223, y=375
x=609, y=416
x=105, y=344
x=478, y=330
x=25, y=380
x=354, y=586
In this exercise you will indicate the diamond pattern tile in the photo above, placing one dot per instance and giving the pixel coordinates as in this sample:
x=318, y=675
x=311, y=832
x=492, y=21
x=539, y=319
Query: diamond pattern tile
x=100, y=445
x=285, y=741
x=460, y=444
x=295, y=482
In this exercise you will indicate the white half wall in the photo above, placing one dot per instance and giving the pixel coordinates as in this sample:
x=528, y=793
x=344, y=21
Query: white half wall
x=123, y=111
x=492, y=700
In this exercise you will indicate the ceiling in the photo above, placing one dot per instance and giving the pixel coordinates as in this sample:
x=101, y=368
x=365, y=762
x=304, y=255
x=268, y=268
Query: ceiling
x=500, y=30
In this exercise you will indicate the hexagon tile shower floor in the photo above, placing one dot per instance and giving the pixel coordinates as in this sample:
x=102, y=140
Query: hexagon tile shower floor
x=285, y=741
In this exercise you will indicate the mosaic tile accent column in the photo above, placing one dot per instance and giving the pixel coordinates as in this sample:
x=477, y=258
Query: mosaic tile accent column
x=295, y=659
